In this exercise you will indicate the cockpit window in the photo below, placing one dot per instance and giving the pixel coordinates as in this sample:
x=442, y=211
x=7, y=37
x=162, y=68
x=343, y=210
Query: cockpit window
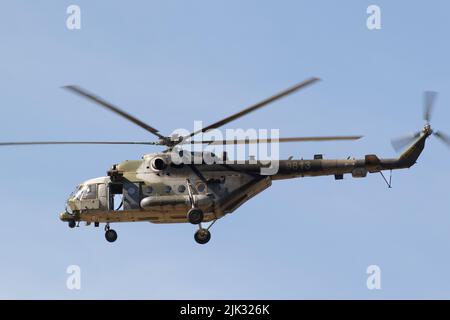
x=74, y=192
x=90, y=192
x=86, y=192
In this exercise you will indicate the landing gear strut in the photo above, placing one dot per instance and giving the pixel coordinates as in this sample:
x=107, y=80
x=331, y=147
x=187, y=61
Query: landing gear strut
x=110, y=234
x=194, y=215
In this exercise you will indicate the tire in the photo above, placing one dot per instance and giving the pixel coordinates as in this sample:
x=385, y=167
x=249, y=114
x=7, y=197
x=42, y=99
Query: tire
x=111, y=235
x=202, y=236
x=195, y=216
x=72, y=224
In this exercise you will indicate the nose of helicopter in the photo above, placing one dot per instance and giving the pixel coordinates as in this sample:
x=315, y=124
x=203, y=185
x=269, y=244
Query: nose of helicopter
x=65, y=216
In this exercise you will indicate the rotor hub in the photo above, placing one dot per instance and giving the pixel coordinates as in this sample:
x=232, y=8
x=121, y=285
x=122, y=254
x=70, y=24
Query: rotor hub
x=427, y=129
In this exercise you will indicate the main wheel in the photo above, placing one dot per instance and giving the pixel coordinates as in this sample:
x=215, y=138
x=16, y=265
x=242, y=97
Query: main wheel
x=72, y=224
x=111, y=235
x=202, y=236
x=195, y=216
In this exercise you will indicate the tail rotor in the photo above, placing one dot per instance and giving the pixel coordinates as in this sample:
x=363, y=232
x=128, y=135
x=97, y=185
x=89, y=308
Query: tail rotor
x=428, y=107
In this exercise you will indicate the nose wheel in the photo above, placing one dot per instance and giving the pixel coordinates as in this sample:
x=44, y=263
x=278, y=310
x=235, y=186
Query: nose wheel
x=110, y=234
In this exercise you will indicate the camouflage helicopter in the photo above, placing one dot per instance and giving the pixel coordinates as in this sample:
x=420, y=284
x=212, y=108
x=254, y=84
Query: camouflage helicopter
x=158, y=189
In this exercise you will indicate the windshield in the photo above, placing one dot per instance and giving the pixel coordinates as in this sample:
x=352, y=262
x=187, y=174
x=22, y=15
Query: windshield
x=85, y=192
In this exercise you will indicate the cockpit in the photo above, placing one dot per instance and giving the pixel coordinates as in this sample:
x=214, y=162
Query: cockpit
x=89, y=195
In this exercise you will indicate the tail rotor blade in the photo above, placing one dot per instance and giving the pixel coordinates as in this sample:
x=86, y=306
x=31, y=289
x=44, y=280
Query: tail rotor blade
x=443, y=137
x=400, y=143
x=429, y=99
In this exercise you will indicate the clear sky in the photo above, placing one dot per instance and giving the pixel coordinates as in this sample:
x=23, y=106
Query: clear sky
x=173, y=62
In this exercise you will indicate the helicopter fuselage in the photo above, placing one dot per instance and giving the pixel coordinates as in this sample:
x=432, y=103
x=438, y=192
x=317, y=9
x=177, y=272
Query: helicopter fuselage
x=156, y=190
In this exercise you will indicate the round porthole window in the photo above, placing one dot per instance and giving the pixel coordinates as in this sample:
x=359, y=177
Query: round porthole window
x=181, y=189
x=167, y=189
x=201, y=187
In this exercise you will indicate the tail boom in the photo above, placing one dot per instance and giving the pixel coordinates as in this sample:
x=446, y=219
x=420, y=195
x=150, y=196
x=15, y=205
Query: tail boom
x=357, y=167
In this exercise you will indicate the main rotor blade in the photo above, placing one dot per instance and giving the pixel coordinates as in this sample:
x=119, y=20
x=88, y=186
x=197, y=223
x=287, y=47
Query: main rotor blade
x=428, y=104
x=443, y=137
x=256, y=106
x=291, y=139
x=29, y=143
x=401, y=142
x=82, y=92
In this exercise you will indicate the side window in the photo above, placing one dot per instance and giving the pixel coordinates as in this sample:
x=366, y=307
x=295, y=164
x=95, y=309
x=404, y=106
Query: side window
x=90, y=192
x=201, y=187
x=148, y=190
x=101, y=190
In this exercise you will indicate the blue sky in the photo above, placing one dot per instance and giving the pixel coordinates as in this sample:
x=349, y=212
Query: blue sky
x=173, y=62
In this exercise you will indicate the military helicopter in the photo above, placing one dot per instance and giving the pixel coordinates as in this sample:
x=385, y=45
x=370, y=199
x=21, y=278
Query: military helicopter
x=159, y=189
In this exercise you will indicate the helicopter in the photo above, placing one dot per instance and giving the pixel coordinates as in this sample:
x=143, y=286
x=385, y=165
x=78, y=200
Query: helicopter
x=179, y=186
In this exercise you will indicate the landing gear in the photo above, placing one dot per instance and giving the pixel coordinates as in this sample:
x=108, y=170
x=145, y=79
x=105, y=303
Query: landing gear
x=110, y=234
x=195, y=216
x=202, y=236
x=72, y=224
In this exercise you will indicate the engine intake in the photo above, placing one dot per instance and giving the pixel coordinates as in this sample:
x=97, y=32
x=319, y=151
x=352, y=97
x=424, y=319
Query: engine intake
x=158, y=164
